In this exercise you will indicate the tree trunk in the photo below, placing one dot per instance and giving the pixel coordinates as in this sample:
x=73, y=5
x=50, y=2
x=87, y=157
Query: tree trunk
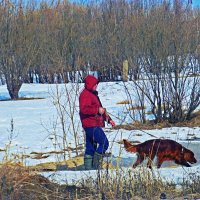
x=13, y=89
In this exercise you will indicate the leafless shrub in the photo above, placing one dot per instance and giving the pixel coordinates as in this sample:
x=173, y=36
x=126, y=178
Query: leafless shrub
x=66, y=129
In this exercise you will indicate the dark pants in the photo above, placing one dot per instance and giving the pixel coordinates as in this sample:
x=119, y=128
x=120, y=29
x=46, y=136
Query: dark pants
x=96, y=141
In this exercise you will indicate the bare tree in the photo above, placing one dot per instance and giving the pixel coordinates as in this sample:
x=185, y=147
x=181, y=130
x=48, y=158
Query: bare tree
x=168, y=46
x=16, y=47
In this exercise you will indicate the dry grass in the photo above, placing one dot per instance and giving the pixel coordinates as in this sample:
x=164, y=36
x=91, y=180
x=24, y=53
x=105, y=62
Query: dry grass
x=20, y=183
x=124, y=102
x=136, y=184
x=74, y=162
x=23, y=98
x=194, y=122
x=137, y=108
x=146, y=126
x=17, y=182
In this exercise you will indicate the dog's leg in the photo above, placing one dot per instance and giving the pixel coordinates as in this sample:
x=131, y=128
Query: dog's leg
x=159, y=161
x=138, y=161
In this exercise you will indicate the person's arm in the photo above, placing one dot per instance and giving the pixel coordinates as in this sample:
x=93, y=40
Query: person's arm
x=107, y=117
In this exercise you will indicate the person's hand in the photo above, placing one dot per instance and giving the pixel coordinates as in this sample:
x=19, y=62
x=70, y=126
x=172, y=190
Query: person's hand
x=102, y=110
x=112, y=123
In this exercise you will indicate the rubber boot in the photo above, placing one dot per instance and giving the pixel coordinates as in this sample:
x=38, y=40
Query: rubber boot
x=97, y=161
x=88, y=160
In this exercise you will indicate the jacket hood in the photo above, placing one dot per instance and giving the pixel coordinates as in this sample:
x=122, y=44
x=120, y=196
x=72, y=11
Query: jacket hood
x=90, y=81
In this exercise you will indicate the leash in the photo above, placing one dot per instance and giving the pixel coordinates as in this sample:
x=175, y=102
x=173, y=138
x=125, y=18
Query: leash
x=107, y=113
x=108, y=118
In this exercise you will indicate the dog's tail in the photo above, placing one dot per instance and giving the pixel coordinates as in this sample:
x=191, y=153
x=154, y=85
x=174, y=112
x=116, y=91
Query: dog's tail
x=129, y=147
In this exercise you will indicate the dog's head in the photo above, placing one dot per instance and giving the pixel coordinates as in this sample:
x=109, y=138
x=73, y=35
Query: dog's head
x=129, y=147
x=188, y=155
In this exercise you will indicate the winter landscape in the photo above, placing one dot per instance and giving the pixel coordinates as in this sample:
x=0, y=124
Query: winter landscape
x=31, y=130
x=146, y=55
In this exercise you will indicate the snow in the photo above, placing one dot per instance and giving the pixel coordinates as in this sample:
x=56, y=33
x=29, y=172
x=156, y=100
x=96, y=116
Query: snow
x=172, y=175
x=34, y=125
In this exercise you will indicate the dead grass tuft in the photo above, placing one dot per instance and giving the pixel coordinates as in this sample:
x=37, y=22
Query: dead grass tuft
x=124, y=102
x=23, y=99
x=20, y=183
x=136, y=125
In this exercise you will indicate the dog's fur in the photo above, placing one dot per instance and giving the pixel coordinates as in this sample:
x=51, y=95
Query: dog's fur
x=164, y=149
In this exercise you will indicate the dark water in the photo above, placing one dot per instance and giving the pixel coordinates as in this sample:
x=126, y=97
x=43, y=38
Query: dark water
x=128, y=162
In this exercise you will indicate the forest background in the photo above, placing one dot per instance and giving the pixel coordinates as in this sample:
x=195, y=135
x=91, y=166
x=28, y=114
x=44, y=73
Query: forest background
x=54, y=42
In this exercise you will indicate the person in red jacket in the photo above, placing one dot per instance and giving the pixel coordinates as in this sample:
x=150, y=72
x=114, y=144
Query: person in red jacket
x=93, y=117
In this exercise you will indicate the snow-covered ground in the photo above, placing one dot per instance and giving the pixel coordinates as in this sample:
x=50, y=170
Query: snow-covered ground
x=172, y=175
x=34, y=125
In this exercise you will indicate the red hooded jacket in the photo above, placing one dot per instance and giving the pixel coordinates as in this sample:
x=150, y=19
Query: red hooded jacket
x=89, y=104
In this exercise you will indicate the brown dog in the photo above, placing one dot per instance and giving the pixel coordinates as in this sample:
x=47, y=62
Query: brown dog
x=164, y=149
